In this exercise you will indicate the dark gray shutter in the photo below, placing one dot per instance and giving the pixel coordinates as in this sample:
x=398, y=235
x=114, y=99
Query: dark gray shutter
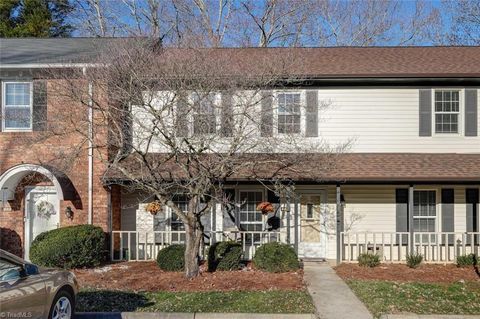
x=448, y=214
x=266, y=127
x=181, y=123
x=1, y=105
x=425, y=113
x=471, y=201
x=227, y=114
x=471, y=112
x=311, y=125
x=401, y=204
x=39, y=119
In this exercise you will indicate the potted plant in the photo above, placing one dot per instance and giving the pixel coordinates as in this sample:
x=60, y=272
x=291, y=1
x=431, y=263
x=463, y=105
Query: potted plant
x=265, y=207
x=153, y=207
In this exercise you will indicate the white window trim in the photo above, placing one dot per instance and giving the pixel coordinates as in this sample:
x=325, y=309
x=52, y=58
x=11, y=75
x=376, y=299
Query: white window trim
x=461, y=113
x=4, y=102
x=438, y=206
x=240, y=190
x=302, y=112
x=216, y=103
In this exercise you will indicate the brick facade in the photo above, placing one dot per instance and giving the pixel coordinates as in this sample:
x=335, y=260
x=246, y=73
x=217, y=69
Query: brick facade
x=61, y=146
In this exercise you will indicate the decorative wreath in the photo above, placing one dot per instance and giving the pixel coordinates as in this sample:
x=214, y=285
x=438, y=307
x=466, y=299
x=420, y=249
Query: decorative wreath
x=265, y=207
x=154, y=207
x=45, y=209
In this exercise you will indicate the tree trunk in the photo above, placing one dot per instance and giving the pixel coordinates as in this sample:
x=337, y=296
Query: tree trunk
x=193, y=239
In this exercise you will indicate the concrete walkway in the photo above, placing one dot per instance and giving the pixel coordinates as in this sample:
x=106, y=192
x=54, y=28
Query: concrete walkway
x=179, y=315
x=331, y=295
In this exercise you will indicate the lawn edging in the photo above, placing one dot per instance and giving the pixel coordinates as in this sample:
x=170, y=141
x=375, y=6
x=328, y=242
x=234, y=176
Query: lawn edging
x=183, y=315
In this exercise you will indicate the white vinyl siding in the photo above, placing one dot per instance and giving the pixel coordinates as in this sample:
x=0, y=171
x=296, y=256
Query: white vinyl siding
x=383, y=120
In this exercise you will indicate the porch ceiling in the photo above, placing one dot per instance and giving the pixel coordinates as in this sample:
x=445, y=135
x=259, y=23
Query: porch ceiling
x=323, y=168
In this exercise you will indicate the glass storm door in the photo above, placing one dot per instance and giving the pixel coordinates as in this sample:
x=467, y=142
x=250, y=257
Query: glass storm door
x=41, y=213
x=313, y=237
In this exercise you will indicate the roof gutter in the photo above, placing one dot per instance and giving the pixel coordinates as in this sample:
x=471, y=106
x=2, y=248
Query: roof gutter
x=49, y=65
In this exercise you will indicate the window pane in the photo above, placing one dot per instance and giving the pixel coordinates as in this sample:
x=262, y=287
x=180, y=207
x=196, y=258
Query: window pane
x=17, y=117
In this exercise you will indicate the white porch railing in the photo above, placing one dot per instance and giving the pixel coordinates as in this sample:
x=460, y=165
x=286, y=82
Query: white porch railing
x=134, y=245
x=442, y=247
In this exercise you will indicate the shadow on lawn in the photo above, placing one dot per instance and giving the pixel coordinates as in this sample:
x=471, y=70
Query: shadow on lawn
x=110, y=300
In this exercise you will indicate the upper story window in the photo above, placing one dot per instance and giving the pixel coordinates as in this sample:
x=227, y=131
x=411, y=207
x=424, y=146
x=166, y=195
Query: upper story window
x=447, y=111
x=17, y=106
x=288, y=113
x=204, y=115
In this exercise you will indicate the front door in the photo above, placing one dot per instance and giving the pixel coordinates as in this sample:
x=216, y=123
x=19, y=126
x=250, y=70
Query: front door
x=313, y=237
x=41, y=213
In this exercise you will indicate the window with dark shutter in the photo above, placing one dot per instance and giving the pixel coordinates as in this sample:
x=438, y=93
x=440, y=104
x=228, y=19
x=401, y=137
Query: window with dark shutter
x=17, y=100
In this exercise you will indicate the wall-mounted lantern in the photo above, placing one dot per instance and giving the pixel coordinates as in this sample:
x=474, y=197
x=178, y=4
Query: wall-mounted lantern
x=69, y=212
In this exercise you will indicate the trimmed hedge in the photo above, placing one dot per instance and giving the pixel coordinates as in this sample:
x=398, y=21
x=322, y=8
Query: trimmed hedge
x=69, y=247
x=276, y=257
x=225, y=256
x=172, y=258
x=368, y=260
x=467, y=260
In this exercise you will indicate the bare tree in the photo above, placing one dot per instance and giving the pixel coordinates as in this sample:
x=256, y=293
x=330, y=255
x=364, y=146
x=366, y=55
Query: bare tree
x=188, y=121
x=370, y=22
x=461, y=23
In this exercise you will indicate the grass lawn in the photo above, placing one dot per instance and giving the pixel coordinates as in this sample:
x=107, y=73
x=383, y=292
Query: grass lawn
x=233, y=301
x=382, y=297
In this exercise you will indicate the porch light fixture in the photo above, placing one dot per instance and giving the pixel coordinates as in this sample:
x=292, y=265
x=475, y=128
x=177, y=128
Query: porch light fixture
x=69, y=212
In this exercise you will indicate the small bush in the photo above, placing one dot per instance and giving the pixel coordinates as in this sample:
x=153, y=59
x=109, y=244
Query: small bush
x=276, y=257
x=467, y=260
x=172, y=258
x=368, y=260
x=414, y=260
x=225, y=256
x=69, y=247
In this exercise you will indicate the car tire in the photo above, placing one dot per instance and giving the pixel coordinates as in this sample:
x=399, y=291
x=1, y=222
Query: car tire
x=62, y=306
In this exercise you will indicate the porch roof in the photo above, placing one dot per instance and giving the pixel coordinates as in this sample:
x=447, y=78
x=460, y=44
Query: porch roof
x=325, y=168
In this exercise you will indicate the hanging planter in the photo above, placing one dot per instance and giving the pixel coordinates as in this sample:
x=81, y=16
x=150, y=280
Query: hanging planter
x=154, y=207
x=265, y=207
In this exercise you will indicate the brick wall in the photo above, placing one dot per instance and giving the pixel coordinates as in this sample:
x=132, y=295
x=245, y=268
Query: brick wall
x=62, y=146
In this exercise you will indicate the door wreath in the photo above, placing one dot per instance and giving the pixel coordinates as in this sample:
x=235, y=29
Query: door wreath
x=45, y=209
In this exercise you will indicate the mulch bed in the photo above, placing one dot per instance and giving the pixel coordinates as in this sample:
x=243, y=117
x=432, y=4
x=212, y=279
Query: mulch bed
x=429, y=273
x=146, y=276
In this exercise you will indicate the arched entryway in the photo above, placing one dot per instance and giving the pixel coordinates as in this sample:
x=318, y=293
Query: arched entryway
x=41, y=200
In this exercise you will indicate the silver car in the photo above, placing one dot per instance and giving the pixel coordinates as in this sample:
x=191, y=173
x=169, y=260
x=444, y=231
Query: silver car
x=27, y=291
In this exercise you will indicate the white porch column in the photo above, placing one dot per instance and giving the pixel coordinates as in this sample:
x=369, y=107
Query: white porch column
x=339, y=227
x=410, y=219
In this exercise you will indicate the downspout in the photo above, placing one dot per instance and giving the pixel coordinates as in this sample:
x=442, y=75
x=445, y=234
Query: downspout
x=90, y=149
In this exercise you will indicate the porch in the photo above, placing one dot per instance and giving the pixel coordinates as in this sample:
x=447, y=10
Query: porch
x=441, y=247
x=144, y=246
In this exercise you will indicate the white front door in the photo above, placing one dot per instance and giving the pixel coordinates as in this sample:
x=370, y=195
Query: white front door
x=313, y=236
x=41, y=213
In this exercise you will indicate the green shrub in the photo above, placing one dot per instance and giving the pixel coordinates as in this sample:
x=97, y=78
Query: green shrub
x=414, y=260
x=276, y=257
x=368, y=260
x=467, y=260
x=172, y=258
x=69, y=247
x=225, y=256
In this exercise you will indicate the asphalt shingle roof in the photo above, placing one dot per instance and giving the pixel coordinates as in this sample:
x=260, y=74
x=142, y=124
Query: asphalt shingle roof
x=333, y=168
x=335, y=62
